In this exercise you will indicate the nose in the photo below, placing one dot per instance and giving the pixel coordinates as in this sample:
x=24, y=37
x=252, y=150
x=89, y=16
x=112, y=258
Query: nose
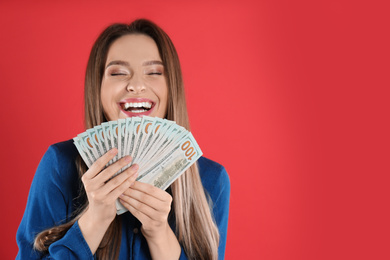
x=136, y=85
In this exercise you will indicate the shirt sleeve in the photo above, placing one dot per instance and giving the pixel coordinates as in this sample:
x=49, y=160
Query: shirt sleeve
x=221, y=209
x=49, y=204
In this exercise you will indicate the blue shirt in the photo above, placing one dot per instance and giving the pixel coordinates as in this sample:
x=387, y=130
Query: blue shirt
x=53, y=199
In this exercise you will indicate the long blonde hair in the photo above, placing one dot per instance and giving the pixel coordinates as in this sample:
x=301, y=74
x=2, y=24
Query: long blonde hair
x=195, y=227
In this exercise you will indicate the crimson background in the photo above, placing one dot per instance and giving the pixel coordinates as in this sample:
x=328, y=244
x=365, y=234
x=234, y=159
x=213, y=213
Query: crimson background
x=290, y=96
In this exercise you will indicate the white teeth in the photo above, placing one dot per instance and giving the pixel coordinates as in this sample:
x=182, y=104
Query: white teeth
x=137, y=104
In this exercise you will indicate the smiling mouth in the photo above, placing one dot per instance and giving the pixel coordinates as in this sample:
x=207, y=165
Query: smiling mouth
x=136, y=107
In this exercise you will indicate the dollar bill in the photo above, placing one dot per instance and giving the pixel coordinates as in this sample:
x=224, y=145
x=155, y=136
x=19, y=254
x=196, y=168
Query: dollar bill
x=108, y=137
x=83, y=152
x=160, y=139
x=136, y=133
x=121, y=137
x=101, y=138
x=95, y=142
x=114, y=137
x=173, y=164
x=85, y=142
x=127, y=135
x=147, y=144
x=142, y=130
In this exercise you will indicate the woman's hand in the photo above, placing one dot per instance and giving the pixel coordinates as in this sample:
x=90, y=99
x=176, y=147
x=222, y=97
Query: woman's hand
x=151, y=206
x=102, y=191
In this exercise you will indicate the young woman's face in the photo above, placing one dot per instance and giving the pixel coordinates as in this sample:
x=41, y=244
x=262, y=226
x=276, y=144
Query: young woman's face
x=134, y=82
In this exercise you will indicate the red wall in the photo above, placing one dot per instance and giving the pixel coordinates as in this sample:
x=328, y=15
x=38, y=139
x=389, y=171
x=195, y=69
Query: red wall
x=291, y=96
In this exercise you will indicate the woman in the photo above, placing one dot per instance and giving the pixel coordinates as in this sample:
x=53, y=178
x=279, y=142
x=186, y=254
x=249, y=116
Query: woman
x=71, y=214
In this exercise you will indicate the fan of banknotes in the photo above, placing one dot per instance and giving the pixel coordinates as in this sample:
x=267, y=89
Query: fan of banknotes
x=162, y=149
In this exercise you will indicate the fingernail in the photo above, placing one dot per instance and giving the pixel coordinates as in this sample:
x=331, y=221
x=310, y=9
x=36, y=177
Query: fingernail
x=114, y=151
x=127, y=159
x=134, y=167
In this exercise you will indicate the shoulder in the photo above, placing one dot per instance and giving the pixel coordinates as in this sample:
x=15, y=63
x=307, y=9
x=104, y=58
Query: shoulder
x=211, y=171
x=65, y=149
x=61, y=155
x=214, y=177
x=58, y=164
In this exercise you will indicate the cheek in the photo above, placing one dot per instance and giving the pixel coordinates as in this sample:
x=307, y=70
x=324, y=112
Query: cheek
x=106, y=97
x=164, y=100
x=161, y=91
x=164, y=94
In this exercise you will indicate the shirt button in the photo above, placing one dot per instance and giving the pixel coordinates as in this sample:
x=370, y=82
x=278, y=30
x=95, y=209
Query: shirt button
x=135, y=230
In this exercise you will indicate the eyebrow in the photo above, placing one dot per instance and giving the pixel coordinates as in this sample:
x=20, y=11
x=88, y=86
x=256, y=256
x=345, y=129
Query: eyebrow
x=125, y=63
x=152, y=62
